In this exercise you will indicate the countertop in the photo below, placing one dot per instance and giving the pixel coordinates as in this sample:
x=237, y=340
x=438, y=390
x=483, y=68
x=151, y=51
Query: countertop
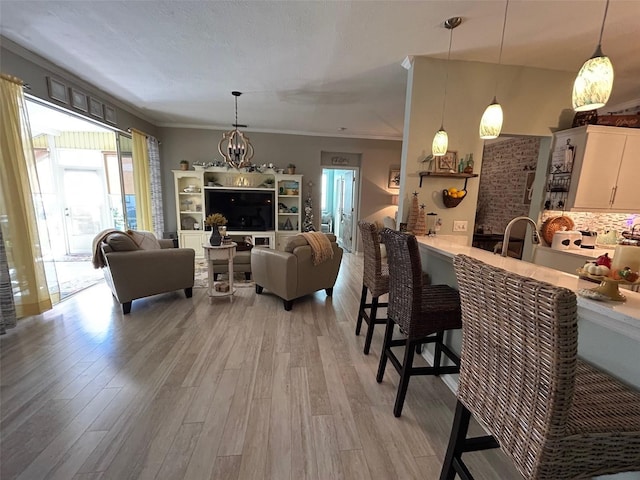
x=584, y=252
x=621, y=316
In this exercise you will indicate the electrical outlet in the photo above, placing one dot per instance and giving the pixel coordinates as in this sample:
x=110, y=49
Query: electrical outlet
x=459, y=225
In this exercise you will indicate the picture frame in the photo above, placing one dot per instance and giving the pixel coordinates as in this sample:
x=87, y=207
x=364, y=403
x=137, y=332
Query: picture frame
x=57, y=90
x=79, y=100
x=95, y=108
x=394, y=178
x=110, y=114
x=447, y=162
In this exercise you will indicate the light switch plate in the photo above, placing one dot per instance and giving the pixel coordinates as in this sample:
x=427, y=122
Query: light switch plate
x=460, y=225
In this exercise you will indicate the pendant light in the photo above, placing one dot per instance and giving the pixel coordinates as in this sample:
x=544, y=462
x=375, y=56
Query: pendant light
x=594, y=82
x=441, y=139
x=238, y=150
x=491, y=123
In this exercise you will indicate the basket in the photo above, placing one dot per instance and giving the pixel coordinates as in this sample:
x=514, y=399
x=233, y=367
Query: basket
x=450, y=201
x=553, y=224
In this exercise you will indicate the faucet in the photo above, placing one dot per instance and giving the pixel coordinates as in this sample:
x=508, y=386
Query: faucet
x=507, y=233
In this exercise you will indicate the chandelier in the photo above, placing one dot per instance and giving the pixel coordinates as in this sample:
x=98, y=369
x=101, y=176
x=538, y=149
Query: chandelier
x=235, y=147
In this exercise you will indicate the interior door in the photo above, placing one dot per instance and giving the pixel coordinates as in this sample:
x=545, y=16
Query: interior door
x=84, y=208
x=345, y=208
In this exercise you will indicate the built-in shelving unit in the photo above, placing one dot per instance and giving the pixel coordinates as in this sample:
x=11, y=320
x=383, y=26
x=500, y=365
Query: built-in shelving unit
x=190, y=193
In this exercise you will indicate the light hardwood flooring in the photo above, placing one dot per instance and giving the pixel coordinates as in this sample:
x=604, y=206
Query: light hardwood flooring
x=181, y=388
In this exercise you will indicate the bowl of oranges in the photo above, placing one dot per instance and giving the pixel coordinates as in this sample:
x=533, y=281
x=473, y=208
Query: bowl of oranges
x=452, y=197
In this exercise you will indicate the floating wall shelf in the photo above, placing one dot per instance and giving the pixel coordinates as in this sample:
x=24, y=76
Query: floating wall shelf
x=466, y=176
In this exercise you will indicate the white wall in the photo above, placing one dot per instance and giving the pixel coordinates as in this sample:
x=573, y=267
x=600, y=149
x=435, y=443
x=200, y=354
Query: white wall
x=534, y=101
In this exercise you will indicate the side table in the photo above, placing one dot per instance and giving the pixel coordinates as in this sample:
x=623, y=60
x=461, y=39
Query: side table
x=222, y=252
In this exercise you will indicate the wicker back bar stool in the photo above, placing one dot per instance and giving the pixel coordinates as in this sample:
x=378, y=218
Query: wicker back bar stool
x=375, y=279
x=423, y=312
x=554, y=415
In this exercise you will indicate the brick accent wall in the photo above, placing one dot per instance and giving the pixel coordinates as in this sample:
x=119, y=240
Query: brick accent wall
x=503, y=178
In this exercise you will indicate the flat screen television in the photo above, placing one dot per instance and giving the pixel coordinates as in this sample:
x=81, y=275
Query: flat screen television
x=244, y=210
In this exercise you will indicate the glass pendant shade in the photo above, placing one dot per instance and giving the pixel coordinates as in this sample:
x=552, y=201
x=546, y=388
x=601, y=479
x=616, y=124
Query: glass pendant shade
x=440, y=143
x=491, y=122
x=594, y=83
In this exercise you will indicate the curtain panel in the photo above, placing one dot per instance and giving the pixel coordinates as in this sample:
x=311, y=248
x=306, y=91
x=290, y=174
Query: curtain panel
x=141, y=181
x=157, y=214
x=22, y=217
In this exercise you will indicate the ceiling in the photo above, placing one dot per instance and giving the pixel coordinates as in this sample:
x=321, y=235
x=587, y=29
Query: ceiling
x=326, y=68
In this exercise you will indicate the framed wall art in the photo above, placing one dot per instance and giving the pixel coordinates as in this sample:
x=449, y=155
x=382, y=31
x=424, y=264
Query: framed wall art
x=447, y=162
x=79, y=100
x=394, y=178
x=95, y=108
x=57, y=90
x=110, y=114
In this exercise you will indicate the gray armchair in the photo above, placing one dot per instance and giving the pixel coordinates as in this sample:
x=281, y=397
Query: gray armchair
x=291, y=274
x=133, y=272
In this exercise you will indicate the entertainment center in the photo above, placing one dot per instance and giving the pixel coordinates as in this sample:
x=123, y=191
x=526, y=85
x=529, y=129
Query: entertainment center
x=264, y=206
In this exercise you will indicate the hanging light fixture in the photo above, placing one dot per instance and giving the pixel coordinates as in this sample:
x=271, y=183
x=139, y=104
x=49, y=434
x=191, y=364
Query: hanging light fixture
x=237, y=151
x=491, y=123
x=593, y=85
x=441, y=139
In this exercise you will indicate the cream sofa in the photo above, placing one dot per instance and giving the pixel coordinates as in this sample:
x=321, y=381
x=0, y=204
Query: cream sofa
x=291, y=274
x=136, y=269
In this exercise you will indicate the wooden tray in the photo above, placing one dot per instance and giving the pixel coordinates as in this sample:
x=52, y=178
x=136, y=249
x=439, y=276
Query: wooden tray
x=552, y=225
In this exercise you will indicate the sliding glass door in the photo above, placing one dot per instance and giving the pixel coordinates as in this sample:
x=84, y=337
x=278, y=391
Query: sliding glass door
x=81, y=179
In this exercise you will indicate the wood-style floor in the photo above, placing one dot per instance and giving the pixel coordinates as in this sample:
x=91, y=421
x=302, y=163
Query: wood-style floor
x=181, y=388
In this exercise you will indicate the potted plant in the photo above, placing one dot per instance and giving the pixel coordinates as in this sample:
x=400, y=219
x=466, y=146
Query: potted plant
x=215, y=221
x=184, y=165
x=291, y=169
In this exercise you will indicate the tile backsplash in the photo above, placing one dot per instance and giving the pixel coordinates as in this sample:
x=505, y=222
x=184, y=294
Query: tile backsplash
x=599, y=222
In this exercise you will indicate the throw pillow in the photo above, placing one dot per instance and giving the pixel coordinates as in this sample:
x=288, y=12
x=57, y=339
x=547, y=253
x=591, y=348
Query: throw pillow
x=295, y=241
x=120, y=242
x=144, y=240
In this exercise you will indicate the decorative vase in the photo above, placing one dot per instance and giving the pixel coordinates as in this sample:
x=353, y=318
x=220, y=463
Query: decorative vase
x=216, y=239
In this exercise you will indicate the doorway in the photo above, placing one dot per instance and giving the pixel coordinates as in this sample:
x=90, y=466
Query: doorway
x=84, y=208
x=339, y=205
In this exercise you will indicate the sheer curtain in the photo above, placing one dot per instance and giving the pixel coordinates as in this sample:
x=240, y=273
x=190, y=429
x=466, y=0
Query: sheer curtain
x=7, y=305
x=24, y=232
x=157, y=214
x=141, y=181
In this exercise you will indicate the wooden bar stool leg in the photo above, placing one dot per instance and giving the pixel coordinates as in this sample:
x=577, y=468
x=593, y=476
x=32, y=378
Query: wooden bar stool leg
x=386, y=346
x=457, y=439
x=372, y=323
x=363, y=302
x=405, y=376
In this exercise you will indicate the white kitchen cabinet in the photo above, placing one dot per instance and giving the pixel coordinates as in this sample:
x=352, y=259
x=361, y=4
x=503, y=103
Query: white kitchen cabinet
x=606, y=168
x=627, y=195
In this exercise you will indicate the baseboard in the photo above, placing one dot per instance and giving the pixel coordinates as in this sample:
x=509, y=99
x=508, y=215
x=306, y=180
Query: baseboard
x=449, y=379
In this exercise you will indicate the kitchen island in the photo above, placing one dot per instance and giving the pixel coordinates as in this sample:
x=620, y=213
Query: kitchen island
x=608, y=332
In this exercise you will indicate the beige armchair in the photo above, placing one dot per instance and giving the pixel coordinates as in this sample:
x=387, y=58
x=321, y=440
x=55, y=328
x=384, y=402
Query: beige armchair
x=136, y=268
x=291, y=274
